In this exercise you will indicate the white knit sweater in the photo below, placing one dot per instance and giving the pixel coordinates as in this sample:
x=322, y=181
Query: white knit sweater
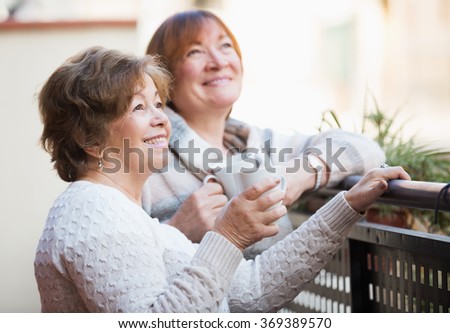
x=100, y=252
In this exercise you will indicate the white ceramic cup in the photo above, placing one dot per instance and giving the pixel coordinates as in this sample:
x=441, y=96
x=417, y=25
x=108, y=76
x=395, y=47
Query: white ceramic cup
x=241, y=174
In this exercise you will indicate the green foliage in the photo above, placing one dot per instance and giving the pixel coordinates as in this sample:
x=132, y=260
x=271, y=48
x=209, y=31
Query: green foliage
x=422, y=161
x=419, y=160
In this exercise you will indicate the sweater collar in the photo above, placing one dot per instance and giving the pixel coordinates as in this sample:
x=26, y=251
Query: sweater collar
x=188, y=145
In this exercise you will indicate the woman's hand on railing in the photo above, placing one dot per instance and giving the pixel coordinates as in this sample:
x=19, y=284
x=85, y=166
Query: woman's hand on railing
x=372, y=186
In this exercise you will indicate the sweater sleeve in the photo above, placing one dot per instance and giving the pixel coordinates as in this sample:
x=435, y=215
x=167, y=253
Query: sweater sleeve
x=277, y=275
x=120, y=260
x=129, y=278
x=345, y=153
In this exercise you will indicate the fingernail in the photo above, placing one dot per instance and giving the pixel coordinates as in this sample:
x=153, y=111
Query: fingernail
x=383, y=185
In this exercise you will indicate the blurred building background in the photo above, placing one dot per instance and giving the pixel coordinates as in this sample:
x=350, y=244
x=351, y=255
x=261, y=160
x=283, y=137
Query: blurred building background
x=300, y=58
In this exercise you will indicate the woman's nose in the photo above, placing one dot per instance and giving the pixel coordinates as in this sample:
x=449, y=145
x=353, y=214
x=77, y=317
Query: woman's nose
x=158, y=118
x=217, y=60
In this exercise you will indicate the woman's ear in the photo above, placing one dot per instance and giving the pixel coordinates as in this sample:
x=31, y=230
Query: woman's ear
x=94, y=151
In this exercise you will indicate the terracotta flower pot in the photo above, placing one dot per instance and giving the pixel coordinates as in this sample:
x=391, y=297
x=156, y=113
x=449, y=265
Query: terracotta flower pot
x=399, y=219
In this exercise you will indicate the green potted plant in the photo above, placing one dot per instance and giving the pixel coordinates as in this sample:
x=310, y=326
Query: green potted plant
x=420, y=160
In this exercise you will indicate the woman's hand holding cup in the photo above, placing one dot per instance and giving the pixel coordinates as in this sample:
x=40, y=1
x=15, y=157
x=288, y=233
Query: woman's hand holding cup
x=247, y=218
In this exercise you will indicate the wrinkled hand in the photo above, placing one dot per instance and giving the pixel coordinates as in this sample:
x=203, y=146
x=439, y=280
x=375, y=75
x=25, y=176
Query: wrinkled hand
x=372, y=186
x=198, y=213
x=247, y=218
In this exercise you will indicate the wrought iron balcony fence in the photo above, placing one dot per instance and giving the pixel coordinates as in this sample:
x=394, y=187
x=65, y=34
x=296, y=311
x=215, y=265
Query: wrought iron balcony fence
x=386, y=269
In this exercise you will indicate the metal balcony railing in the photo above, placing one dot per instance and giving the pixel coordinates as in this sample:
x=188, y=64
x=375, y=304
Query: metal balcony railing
x=386, y=269
x=405, y=193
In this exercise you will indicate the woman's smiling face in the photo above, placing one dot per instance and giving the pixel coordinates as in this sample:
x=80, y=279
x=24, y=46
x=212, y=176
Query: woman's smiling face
x=142, y=134
x=209, y=74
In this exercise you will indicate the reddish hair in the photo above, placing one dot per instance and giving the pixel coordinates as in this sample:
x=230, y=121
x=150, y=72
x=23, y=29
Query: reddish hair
x=179, y=31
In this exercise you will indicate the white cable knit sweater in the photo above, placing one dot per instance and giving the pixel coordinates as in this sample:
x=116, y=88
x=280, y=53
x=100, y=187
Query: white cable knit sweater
x=100, y=252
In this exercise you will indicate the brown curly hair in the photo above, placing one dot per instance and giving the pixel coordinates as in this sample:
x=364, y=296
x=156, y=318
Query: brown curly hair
x=84, y=95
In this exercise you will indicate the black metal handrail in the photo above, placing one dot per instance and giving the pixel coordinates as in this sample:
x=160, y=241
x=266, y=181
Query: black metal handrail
x=406, y=193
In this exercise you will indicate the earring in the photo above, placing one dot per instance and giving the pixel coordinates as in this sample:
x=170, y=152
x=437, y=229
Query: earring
x=100, y=163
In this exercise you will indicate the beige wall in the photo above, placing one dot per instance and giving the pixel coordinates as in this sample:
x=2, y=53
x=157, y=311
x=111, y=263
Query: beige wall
x=28, y=184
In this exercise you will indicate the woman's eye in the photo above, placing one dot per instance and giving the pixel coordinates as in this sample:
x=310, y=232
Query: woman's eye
x=139, y=107
x=227, y=45
x=193, y=52
x=159, y=105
